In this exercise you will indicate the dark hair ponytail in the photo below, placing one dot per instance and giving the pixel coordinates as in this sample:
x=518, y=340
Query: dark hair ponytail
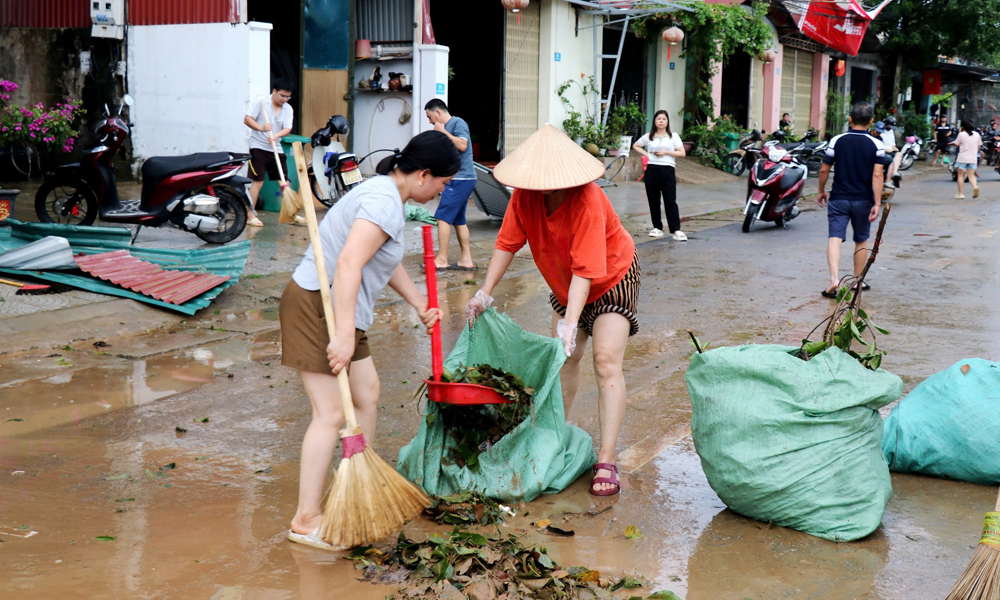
x=652, y=132
x=967, y=126
x=430, y=150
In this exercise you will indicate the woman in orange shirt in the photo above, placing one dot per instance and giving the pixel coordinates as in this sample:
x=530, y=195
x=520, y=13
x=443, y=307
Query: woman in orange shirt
x=589, y=262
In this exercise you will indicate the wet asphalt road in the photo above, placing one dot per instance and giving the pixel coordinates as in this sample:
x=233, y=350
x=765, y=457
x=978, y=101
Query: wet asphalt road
x=98, y=425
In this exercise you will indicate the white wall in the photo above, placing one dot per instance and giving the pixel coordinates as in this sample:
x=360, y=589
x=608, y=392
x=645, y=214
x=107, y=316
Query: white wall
x=192, y=85
x=576, y=56
x=669, y=94
x=380, y=124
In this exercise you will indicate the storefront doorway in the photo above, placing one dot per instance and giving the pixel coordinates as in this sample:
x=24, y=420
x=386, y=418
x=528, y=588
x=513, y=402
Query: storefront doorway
x=476, y=61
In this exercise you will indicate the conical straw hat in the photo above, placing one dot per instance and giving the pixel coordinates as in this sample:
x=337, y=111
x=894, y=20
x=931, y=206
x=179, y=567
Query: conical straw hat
x=548, y=160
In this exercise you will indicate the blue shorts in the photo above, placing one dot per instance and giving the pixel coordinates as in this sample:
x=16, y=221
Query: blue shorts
x=843, y=210
x=965, y=166
x=454, y=201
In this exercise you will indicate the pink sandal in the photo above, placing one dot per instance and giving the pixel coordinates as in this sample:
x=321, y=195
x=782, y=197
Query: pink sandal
x=613, y=480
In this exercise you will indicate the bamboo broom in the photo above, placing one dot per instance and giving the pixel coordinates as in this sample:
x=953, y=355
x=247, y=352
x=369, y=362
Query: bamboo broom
x=290, y=201
x=981, y=579
x=368, y=499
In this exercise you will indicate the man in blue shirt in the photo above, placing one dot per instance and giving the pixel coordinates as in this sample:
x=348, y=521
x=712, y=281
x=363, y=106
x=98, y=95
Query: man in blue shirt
x=856, y=196
x=455, y=197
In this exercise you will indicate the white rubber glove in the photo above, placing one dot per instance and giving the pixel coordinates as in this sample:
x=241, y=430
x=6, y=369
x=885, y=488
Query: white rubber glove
x=567, y=333
x=477, y=306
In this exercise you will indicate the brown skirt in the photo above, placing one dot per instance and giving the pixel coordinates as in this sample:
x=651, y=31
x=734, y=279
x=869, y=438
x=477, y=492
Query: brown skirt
x=303, y=332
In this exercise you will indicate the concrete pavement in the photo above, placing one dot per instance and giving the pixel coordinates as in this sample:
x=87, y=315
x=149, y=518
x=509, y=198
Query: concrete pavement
x=99, y=422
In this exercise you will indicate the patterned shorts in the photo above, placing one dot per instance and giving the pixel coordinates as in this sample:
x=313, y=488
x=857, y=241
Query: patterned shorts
x=623, y=299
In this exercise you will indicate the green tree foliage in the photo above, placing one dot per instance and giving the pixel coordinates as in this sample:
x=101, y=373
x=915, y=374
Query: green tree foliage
x=922, y=30
x=713, y=33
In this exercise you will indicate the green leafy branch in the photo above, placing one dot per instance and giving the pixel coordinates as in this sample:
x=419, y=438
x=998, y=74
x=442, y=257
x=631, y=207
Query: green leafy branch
x=848, y=323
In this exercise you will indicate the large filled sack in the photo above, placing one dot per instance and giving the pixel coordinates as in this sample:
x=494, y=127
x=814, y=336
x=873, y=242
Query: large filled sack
x=542, y=455
x=949, y=425
x=793, y=442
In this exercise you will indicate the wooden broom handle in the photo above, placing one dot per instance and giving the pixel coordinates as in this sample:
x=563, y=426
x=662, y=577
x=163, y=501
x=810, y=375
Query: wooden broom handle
x=274, y=147
x=324, y=284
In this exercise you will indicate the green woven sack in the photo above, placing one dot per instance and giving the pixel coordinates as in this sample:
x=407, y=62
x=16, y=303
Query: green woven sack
x=794, y=442
x=949, y=425
x=542, y=455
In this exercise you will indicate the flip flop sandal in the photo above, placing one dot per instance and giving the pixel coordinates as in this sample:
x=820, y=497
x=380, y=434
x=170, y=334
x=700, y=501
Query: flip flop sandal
x=458, y=267
x=865, y=287
x=312, y=540
x=423, y=268
x=613, y=480
x=828, y=294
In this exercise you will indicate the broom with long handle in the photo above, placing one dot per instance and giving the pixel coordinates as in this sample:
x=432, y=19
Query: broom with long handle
x=290, y=201
x=368, y=499
x=981, y=579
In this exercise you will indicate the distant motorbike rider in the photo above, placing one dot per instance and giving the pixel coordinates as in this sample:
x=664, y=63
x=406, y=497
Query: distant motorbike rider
x=888, y=137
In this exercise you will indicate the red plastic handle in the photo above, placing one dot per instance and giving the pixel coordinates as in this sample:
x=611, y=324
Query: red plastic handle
x=437, y=362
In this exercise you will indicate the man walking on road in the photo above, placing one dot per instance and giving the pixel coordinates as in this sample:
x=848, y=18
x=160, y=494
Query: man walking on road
x=262, y=162
x=856, y=196
x=455, y=197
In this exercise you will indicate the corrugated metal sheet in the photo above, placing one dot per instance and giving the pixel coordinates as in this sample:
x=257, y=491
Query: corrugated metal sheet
x=44, y=13
x=221, y=260
x=121, y=268
x=176, y=12
x=385, y=21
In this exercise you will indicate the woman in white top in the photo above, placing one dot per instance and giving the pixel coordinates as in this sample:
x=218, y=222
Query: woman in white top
x=968, y=143
x=362, y=241
x=662, y=146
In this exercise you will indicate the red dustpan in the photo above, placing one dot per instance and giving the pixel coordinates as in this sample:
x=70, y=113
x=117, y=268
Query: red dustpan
x=437, y=390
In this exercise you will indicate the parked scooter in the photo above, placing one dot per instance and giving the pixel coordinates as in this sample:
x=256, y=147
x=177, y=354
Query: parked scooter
x=743, y=158
x=774, y=187
x=200, y=193
x=333, y=171
x=911, y=151
x=806, y=151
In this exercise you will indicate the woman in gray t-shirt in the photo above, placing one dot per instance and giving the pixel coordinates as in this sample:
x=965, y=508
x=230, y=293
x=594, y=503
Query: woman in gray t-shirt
x=362, y=239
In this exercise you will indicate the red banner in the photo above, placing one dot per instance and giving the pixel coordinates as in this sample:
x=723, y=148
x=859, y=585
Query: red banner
x=932, y=82
x=840, y=25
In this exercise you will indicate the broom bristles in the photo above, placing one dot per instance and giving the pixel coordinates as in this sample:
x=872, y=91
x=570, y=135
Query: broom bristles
x=290, y=205
x=981, y=579
x=368, y=501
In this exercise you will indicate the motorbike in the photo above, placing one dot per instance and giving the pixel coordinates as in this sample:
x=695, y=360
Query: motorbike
x=200, y=193
x=333, y=171
x=911, y=151
x=808, y=153
x=743, y=158
x=774, y=187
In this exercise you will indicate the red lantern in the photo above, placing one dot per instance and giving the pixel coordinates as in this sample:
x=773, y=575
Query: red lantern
x=673, y=35
x=515, y=6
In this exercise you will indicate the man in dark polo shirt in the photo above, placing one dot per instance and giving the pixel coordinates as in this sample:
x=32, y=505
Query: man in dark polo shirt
x=856, y=197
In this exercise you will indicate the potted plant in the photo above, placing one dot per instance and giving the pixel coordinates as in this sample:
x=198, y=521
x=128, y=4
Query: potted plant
x=35, y=129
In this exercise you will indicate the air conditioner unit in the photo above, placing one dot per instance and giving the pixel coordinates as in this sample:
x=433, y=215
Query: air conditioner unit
x=108, y=18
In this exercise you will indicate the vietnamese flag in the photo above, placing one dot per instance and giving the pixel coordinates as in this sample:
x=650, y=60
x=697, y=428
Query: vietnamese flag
x=932, y=82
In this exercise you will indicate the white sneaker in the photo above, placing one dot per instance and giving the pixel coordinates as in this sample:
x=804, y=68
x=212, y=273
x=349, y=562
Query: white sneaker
x=656, y=232
x=679, y=236
x=959, y=196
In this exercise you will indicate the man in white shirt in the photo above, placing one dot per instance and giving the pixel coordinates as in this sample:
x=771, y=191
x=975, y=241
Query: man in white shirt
x=262, y=162
x=891, y=149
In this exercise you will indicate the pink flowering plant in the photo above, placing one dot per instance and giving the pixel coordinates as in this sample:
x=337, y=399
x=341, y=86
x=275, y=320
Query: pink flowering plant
x=50, y=129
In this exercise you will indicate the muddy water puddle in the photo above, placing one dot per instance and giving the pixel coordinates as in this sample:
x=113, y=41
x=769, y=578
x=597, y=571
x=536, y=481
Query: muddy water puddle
x=46, y=390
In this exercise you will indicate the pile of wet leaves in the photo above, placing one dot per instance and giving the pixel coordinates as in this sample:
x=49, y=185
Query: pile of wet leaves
x=474, y=429
x=466, y=508
x=464, y=565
